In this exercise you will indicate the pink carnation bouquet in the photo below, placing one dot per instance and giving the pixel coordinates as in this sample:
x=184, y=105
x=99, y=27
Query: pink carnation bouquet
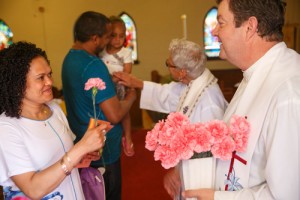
x=176, y=139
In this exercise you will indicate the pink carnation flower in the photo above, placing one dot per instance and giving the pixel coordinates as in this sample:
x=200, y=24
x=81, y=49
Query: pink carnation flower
x=167, y=135
x=218, y=129
x=167, y=156
x=152, y=136
x=151, y=140
x=183, y=144
x=240, y=129
x=177, y=120
x=224, y=149
x=203, y=138
x=94, y=82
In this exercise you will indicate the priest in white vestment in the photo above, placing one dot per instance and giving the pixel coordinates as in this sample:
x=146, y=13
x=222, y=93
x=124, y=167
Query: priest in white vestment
x=195, y=92
x=269, y=95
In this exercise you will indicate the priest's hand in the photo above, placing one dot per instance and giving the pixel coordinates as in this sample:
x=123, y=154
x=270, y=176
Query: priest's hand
x=203, y=194
x=172, y=182
x=129, y=80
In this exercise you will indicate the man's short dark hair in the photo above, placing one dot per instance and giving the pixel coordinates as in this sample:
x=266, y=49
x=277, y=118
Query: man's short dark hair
x=88, y=24
x=269, y=13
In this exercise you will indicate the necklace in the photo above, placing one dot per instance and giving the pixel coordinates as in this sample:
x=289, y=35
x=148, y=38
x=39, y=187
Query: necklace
x=42, y=115
x=46, y=111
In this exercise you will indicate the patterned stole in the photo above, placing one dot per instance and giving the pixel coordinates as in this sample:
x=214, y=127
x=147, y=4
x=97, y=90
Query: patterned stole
x=192, y=93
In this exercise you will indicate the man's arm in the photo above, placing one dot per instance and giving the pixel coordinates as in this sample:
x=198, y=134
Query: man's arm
x=115, y=110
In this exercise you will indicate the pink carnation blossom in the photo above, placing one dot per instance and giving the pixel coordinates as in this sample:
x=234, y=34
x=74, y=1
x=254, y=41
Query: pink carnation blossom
x=177, y=120
x=183, y=144
x=167, y=135
x=168, y=157
x=152, y=136
x=151, y=140
x=94, y=82
x=218, y=129
x=189, y=133
x=203, y=138
x=240, y=129
x=224, y=149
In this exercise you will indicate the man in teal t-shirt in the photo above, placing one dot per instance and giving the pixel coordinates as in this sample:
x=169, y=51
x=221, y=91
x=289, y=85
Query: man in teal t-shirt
x=92, y=32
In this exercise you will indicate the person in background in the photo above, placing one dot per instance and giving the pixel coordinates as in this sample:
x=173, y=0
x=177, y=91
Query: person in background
x=92, y=32
x=269, y=96
x=195, y=92
x=37, y=155
x=118, y=58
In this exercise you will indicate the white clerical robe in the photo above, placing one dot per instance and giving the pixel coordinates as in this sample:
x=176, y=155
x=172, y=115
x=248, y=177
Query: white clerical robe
x=165, y=98
x=269, y=96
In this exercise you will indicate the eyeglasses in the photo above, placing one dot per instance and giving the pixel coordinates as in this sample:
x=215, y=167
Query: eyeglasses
x=170, y=66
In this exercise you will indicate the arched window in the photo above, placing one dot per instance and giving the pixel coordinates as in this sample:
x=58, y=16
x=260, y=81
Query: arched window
x=211, y=44
x=5, y=35
x=131, y=41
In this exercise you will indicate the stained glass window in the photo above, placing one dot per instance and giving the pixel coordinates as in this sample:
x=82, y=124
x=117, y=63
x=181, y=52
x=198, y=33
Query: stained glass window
x=5, y=35
x=131, y=41
x=211, y=44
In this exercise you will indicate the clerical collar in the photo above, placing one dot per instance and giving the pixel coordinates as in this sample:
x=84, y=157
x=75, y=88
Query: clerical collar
x=260, y=63
x=248, y=72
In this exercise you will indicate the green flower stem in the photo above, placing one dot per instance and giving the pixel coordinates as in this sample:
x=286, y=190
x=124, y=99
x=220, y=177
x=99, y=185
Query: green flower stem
x=94, y=92
x=202, y=155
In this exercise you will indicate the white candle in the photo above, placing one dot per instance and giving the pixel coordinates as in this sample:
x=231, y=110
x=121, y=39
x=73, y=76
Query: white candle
x=183, y=17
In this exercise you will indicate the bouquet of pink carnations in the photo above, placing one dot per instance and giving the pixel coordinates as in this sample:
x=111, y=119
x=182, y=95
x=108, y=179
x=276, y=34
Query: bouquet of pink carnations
x=176, y=139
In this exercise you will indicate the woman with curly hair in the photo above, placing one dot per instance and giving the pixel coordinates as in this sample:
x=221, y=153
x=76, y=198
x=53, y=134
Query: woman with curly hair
x=37, y=155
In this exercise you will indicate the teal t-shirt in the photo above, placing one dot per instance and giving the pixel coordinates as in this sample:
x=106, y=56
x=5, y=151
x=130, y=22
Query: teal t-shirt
x=78, y=67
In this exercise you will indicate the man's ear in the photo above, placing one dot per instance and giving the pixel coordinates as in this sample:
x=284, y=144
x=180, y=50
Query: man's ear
x=94, y=38
x=252, y=27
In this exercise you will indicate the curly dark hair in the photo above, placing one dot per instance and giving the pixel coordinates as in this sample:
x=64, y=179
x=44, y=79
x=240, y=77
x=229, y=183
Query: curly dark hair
x=269, y=13
x=14, y=67
x=88, y=24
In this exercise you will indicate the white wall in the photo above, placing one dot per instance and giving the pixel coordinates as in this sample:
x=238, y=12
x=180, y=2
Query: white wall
x=49, y=24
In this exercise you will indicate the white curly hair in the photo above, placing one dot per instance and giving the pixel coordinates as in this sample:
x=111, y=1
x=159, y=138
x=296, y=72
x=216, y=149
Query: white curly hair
x=188, y=55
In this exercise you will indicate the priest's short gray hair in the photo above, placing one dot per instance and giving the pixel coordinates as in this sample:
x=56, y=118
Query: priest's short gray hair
x=188, y=55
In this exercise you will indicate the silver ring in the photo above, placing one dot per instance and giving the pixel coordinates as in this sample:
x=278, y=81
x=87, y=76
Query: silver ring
x=104, y=139
x=103, y=131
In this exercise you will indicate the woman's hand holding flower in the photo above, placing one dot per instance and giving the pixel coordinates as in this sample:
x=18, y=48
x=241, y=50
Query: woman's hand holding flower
x=93, y=139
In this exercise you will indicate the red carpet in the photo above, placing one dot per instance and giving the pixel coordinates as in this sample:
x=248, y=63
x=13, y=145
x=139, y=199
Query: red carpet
x=142, y=177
